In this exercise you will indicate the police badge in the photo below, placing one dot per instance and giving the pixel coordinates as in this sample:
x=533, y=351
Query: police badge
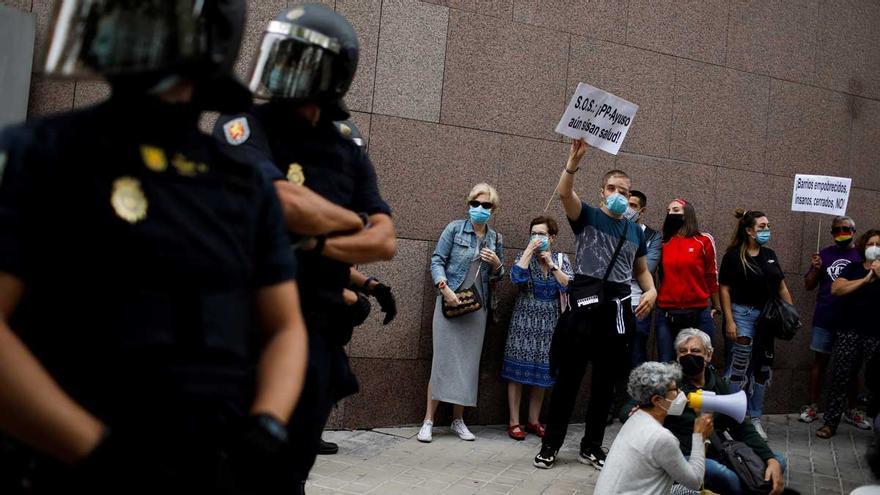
x=128, y=200
x=295, y=174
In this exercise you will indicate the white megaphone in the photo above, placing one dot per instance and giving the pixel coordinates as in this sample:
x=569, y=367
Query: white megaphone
x=733, y=405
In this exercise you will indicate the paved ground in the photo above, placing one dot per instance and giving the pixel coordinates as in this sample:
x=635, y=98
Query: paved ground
x=391, y=461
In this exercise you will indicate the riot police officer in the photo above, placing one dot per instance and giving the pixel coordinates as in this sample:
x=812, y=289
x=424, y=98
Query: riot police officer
x=327, y=187
x=135, y=260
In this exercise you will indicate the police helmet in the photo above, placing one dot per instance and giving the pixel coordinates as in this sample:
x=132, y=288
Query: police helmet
x=309, y=53
x=351, y=131
x=144, y=42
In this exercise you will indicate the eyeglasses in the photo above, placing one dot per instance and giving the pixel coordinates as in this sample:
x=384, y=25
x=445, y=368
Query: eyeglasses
x=487, y=205
x=843, y=229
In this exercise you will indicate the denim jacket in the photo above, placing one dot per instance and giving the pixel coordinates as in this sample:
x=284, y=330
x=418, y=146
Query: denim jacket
x=458, y=245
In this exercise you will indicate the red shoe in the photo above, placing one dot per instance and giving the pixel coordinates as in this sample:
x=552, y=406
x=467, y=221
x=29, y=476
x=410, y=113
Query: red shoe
x=536, y=428
x=516, y=432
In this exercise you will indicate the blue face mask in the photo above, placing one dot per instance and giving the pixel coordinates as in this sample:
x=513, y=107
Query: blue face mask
x=763, y=236
x=479, y=214
x=545, y=242
x=616, y=204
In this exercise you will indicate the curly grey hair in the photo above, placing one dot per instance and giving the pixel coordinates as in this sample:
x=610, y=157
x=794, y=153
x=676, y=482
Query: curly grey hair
x=689, y=333
x=650, y=379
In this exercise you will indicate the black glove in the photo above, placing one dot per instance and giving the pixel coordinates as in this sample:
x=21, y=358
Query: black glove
x=256, y=456
x=386, y=301
x=359, y=310
x=126, y=462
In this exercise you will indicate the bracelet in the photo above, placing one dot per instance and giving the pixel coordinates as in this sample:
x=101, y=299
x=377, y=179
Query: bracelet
x=572, y=172
x=554, y=269
x=366, y=286
x=441, y=285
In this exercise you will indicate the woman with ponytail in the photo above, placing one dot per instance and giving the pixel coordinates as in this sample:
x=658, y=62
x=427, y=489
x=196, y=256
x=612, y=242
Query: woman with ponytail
x=750, y=276
x=688, y=279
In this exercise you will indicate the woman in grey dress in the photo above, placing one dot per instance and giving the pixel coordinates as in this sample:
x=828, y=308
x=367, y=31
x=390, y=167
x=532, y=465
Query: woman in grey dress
x=469, y=253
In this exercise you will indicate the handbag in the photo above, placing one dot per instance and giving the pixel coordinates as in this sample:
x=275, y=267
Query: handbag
x=467, y=294
x=779, y=319
x=589, y=292
x=742, y=460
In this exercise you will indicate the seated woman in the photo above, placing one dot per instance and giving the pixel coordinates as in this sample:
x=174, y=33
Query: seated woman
x=645, y=457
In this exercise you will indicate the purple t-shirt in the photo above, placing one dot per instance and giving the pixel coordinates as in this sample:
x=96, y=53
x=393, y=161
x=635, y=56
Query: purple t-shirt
x=834, y=260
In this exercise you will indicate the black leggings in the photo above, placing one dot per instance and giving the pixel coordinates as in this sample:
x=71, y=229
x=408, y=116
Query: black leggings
x=851, y=349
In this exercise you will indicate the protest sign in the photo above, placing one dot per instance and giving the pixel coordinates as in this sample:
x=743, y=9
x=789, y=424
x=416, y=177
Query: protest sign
x=599, y=118
x=820, y=194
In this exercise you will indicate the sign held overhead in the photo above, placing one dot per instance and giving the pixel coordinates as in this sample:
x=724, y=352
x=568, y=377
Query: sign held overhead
x=821, y=194
x=598, y=117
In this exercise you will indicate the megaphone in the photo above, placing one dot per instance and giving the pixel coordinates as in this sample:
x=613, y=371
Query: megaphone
x=733, y=405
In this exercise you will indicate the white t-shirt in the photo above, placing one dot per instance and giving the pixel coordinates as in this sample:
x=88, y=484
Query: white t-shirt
x=645, y=459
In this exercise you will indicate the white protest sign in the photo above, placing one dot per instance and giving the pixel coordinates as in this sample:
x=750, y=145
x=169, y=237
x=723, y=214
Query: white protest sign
x=820, y=194
x=599, y=118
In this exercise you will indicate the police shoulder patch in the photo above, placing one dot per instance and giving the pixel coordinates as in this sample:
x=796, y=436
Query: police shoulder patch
x=237, y=131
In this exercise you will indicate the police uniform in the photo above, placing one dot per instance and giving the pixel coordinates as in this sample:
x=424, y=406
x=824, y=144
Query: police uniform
x=287, y=147
x=140, y=247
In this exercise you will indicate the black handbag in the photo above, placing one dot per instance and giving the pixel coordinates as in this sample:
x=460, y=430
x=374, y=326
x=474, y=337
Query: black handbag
x=589, y=292
x=467, y=294
x=779, y=319
x=742, y=460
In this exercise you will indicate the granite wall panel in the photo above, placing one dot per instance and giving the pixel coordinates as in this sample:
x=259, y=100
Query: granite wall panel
x=735, y=98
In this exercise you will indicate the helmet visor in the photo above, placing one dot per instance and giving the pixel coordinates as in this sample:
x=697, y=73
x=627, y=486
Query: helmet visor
x=291, y=67
x=118, y=37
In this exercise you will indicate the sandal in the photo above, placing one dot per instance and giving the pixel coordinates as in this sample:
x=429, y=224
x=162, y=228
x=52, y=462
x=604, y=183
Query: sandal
x=516, y=432
x=536, y=428
x=826, y=431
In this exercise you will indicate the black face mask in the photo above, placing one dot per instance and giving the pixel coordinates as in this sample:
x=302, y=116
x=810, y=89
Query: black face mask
x=692, y=364
x=673, y=224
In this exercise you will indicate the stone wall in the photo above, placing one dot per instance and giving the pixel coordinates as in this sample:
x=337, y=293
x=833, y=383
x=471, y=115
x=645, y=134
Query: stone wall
x=736, y=97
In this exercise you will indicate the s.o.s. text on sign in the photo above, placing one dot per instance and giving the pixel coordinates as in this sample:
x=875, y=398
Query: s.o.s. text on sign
x=599, y=118
x=821, y=194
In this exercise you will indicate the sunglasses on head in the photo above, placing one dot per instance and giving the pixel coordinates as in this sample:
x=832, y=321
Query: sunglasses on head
x=487, y=205
x=844, y=229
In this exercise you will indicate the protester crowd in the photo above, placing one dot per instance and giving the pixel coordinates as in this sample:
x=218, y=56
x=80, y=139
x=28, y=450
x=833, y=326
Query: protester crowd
x=155, y=376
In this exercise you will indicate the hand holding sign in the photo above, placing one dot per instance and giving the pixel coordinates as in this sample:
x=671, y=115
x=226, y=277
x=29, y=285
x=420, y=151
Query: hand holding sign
x=598, y=117
x=576, y=154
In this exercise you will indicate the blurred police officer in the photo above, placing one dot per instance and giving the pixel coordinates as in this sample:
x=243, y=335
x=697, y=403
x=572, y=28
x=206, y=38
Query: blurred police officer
x=134, y=261
x=327, y=187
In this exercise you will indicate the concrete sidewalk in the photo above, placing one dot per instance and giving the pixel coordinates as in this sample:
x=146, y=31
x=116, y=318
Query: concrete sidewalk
x=391, y=461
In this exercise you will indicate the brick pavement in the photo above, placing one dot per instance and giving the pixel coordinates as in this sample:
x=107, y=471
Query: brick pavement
x=390, y=461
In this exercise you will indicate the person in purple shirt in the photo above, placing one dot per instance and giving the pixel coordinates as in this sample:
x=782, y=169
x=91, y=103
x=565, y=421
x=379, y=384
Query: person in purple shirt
x=825, y=266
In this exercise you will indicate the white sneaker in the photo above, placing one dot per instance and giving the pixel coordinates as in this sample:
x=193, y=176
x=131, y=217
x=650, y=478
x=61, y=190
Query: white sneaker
x=426, y=432
x=756, y=422
x=459, y=427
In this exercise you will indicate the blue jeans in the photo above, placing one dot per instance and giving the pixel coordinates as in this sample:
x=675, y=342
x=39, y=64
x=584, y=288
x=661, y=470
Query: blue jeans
x=639, y=351
x=740, y=370
x=666, y=337
x=721, y=479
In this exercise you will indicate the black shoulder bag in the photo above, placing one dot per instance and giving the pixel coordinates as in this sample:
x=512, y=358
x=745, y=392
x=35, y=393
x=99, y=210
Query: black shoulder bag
x=748, y=466
x=778, y=318
x=589, y=292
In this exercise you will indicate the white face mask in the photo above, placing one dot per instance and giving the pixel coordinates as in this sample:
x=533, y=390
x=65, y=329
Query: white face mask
x=872, y=253
x=676, y=408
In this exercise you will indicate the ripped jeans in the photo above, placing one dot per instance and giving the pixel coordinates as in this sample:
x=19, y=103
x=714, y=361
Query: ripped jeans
x=740, y=369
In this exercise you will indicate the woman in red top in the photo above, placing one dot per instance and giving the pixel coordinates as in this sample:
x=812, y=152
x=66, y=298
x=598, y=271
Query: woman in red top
x=688, y=279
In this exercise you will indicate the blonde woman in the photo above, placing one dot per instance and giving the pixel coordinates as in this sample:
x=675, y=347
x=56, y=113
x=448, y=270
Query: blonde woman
x=468, y=253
